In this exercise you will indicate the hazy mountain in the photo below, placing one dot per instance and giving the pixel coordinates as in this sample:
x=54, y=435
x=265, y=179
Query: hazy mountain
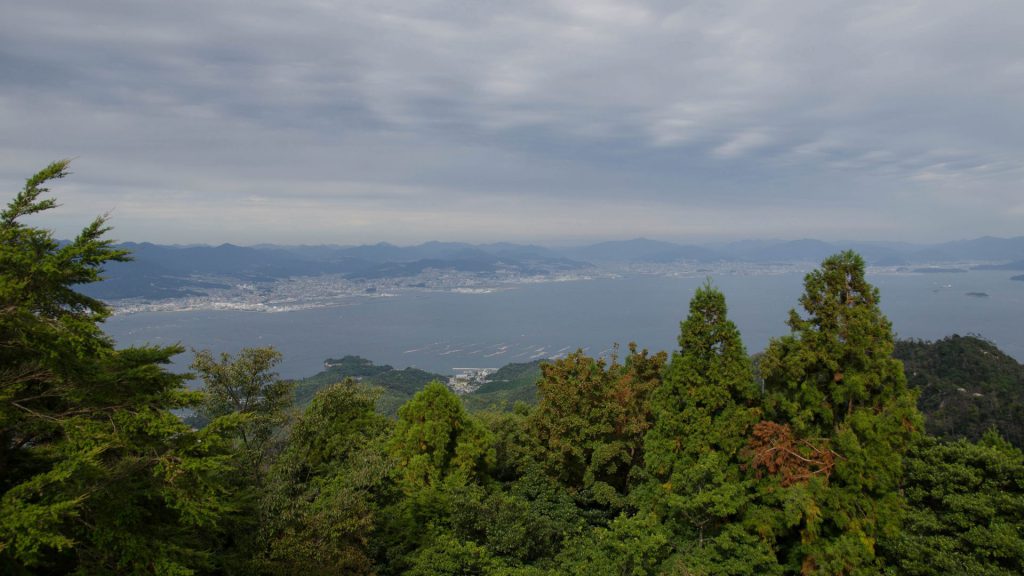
x=159, y=271
x=640, y=250
x=805, y=250
x=985, y=248
x=172, y=271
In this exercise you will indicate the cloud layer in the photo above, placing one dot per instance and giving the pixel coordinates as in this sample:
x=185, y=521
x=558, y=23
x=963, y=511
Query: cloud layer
x=556, y=121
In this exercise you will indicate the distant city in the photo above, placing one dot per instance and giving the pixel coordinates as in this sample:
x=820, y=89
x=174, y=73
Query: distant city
x=283, y=278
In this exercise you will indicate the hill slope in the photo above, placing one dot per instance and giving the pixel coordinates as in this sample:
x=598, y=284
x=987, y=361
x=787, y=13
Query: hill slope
x=966, y=386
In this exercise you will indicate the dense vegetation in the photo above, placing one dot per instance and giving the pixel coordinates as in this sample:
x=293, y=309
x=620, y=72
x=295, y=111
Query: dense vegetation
x=966, y=387
x=690, y=463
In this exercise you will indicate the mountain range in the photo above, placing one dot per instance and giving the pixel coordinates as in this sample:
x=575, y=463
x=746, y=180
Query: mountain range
x=167, y=271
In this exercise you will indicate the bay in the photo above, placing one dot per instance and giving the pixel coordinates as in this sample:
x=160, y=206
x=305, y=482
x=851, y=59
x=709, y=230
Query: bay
x=439, y=331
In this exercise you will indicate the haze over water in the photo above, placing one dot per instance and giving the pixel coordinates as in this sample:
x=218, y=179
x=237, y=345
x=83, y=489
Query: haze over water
x=439, y=331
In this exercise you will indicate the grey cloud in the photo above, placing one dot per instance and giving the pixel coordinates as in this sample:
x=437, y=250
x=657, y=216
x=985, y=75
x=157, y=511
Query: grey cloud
x=522, y=112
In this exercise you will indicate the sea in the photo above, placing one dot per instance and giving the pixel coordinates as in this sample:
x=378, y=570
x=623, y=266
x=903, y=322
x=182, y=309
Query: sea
x=441, y=331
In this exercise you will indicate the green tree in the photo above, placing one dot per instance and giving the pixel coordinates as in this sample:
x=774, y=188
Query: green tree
x=441, y=455
x=97, y=475
x=247, y=390
x=841, y=418
x=447, y=555
x=590, y=423
x=629, y=546
x=966, y=509
x=437, y=441
x=704, y=411
x=321, y=501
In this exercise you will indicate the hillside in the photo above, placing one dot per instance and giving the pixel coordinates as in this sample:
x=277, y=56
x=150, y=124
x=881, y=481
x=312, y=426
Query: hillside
x=396, y=386
x=966, y=386
x=510, y=384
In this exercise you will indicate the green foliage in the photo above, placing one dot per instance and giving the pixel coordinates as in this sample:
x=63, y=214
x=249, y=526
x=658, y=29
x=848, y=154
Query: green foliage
x=966, y=385
x=246, y=389
x=513, y=444
x=524, y=523
x=591, y=420
x=703, y=414
x=436, y=441
x=629, y=546
x=966, y=509
x=396, y=386
x=97, y=475
x=447, y=555
x=323, y=493
x=629, y=468
x=843, y=418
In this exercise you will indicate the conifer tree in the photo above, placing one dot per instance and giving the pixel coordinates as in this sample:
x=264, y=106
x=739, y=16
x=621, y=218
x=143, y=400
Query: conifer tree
x=967, y=500
x=703, y=413
x=97, y=475
x=436, y=441
x=590, y=422
x=841, y=419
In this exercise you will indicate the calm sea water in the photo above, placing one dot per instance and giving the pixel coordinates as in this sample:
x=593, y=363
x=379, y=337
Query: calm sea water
x=442, y=331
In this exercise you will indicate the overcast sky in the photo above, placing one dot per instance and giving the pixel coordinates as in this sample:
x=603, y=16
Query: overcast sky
x=557, y=121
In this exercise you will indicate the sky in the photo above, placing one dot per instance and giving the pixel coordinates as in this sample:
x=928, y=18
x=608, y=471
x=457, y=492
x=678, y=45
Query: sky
x=552, y=122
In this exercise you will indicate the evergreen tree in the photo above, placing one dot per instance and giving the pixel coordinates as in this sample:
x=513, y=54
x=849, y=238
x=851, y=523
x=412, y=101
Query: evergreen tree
x=441, y=454
x=703, y=414
x=841, y=420
x=590, y=423
x=97, y=475
x=436, y=441
x=966, y=510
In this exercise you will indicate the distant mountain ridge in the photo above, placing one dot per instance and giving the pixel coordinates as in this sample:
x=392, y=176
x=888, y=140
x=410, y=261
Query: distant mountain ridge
x=160, y=271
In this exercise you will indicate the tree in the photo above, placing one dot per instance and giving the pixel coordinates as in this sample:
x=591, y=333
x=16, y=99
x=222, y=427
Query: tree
x=97, y=475
x=590, y=423
x=321, y=501
x=967, y=501
x=247, y=387
x=704, y=411
x=49, y=333
x=629, y=546
x=838, y=399
x=441, y=455
x=436, y=441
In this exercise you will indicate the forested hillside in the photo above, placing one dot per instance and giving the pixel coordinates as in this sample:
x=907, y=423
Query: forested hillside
x=966, y=386
x=681, y=462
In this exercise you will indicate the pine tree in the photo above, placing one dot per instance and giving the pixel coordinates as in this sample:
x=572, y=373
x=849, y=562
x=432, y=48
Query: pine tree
x=841, y=419
x=436, y=441
x=703, y=413
x=97, y=475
